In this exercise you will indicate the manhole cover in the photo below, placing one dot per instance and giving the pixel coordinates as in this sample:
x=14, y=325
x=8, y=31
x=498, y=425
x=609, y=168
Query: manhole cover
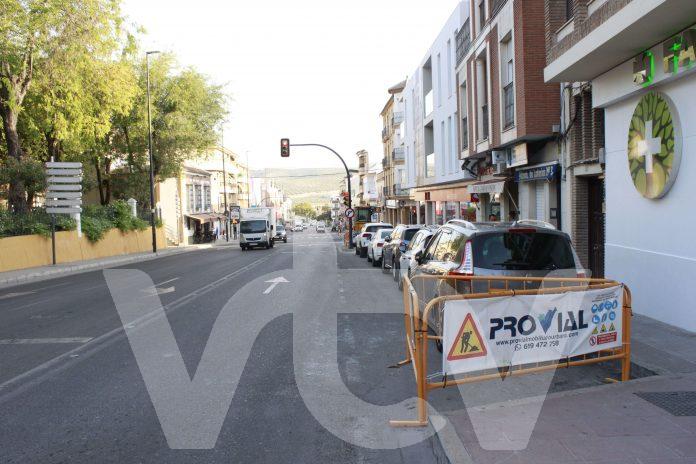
x=679, y=403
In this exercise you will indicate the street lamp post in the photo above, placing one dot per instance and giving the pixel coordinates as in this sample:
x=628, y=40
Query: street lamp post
x=224, y=184
x=149, y=144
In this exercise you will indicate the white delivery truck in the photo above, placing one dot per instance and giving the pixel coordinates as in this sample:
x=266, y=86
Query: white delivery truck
x=256, y=228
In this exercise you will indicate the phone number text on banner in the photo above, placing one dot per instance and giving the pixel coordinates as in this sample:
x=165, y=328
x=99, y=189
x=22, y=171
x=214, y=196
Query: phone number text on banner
x=500, y=332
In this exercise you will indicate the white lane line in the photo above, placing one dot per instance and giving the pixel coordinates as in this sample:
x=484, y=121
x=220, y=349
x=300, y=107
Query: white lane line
x=43, y=341
x=16, y=294
x=167, y=281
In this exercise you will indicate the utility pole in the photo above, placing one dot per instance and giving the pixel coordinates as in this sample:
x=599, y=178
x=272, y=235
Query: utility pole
x=152, y=162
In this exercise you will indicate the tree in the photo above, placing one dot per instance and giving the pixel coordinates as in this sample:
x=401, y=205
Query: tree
x=35, y=35
x=305, y=210
x=186, y=109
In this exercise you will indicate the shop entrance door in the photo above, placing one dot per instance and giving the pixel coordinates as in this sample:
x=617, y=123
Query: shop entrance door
x=595, y=215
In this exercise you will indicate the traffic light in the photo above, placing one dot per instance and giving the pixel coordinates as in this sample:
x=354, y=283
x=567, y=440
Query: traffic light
x=285, y=148
x=345, y=198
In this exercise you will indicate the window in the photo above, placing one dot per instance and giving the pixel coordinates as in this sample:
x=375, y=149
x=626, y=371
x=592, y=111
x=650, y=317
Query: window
x=507, y=69
x=482, y=14
x=523, y=251
x=439, y=80
x=464, y=111
x=443, y=148
x=206, y=197
x=430, y=165
x=570, y=9
x=190, y=204
x=482, y=95
x=449, y=68
x=198, y=198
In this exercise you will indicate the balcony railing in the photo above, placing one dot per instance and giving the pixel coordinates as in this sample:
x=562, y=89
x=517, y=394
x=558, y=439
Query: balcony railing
x=428, y=103
x=397, y=118
x=385, y=162
x=463, y=42
x=400, y=192
x=385, y=191
x=484, y=122
x=398, y=154
x=465, y=133
x=509, y=99
x=385, y=134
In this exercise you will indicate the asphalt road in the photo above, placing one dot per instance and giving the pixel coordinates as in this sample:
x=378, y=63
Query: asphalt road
x=297, y=372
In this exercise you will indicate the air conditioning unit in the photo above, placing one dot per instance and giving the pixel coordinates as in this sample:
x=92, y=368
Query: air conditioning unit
x=500, y=168
x=601, y=156
x=498, y=156
x=556, y=129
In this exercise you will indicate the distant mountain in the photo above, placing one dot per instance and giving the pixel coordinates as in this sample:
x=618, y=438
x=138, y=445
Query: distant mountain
x=311, y=185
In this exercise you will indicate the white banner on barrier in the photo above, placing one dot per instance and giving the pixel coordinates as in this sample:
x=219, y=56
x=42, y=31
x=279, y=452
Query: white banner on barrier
x=509, y=331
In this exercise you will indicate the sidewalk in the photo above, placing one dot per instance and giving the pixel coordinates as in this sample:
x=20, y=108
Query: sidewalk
x=615, y=423
x=35, y=274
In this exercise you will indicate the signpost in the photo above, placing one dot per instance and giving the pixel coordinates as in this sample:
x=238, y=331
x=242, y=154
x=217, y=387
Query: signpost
x=350, y=213
x=63, y=195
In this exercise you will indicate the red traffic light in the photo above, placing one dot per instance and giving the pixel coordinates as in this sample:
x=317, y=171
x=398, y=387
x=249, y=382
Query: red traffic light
x=285, y=148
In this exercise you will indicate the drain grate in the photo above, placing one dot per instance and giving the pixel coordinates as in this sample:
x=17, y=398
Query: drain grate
x=677, y=403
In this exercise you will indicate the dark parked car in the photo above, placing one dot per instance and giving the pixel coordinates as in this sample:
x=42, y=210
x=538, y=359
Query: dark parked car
x=519, y=249
x=396, y=244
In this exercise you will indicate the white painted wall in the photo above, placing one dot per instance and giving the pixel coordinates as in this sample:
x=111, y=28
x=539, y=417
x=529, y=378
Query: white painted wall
x=447, y=166
x=650, y=243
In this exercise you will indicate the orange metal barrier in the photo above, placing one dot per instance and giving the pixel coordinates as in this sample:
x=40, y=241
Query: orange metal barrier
x=417, y=335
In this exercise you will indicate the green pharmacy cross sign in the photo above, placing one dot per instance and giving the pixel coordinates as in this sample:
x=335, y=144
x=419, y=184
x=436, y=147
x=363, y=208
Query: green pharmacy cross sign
x=654, y=145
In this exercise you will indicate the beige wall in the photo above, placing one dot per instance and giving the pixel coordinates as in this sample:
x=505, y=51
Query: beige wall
x=34, y=250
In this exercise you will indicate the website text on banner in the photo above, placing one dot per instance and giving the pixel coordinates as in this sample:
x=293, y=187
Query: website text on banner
x=502, y=332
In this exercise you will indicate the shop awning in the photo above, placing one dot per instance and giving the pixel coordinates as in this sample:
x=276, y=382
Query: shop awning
x=205, y=217
x=487, y=186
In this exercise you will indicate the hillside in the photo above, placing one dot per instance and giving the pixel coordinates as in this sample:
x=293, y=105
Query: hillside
x=312, y=185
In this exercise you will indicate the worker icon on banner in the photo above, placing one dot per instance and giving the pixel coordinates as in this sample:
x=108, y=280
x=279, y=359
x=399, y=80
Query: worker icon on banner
x=469, y=343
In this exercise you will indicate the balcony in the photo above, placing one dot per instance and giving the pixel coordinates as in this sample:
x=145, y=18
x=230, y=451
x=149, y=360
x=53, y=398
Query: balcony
x=385, y=134
x=385, y=191
x=428, y=103
x=385, y=162
x=398, y=154
x=509, y=101
x=401, y=192
x=397, y=118
x=463, y=42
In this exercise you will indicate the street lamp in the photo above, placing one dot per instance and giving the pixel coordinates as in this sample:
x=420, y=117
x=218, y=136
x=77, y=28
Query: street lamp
x=149, y=144
x=224, y=183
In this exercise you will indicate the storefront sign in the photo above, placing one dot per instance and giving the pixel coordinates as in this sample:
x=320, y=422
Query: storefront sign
x=518, y=156
x=391, y=204
x=489, y=187
x=547, y=172
x=502, y=332
x=654, y=145
x=678, y=53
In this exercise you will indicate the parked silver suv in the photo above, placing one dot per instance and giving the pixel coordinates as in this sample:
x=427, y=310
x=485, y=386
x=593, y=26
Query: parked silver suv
x=521, y=249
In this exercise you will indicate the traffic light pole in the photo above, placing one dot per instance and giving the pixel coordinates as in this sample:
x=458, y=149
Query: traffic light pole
x=350, y=193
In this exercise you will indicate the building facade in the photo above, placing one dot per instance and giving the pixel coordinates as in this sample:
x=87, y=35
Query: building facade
x=639, y=57
x=398, y=206
x=433, y=168
x=508, y=116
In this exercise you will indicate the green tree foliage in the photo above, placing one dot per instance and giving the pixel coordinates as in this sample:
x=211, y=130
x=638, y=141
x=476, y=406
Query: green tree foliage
x=305, y=210
x=35, y=35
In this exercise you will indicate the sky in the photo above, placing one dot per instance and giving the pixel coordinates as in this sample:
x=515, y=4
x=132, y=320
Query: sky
x=315, y=71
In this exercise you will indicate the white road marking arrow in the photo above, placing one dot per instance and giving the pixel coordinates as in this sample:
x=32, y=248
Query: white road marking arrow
x=161, y=290
x=274, y=282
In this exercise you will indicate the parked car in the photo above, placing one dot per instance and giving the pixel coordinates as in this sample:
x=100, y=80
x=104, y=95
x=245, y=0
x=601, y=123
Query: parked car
x=297, y=228
x=521, y=249
x=396, y=244
x=321, y=228
x=362, y=239
x=281, y=235
x=376, y=246
x=407, y=263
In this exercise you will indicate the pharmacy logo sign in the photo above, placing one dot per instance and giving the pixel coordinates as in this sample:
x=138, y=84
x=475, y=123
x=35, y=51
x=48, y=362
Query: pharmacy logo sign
x=654, y=145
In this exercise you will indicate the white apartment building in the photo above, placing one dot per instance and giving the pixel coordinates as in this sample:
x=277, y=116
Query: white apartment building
x=433, y=169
